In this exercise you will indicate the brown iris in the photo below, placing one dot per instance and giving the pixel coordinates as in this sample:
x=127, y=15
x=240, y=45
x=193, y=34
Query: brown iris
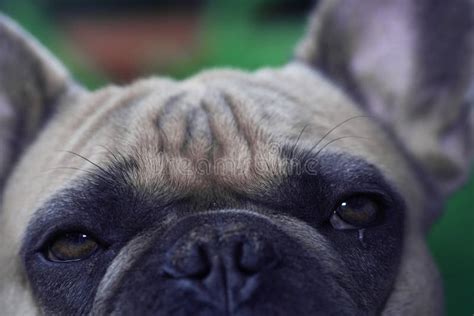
x=71, y=247
x=358, y=211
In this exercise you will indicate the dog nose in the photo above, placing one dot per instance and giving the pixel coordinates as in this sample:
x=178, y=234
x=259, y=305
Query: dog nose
x=240, y=256
x=228, y=266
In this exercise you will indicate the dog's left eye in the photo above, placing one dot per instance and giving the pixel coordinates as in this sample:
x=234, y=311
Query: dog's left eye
x=71, y=247
x=355, y=212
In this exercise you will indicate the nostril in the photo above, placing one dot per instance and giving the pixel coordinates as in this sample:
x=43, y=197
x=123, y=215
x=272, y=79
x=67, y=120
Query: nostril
x=192, y=263
x=254, y=256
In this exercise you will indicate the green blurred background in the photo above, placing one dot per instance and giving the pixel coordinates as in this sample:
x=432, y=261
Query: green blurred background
x=196, y=35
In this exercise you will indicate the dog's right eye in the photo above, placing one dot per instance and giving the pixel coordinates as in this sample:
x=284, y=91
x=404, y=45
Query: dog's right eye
x=71, y=247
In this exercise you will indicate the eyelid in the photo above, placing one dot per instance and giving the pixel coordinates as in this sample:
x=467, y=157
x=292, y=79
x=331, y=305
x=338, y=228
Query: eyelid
x=386, y=199
x=379, y=196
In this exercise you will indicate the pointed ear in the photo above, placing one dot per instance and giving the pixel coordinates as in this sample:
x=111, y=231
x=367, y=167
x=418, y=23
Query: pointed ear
x=32, y=86
x=410, y=64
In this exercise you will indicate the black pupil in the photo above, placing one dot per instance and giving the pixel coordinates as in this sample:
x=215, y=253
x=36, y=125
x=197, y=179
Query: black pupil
x=358, y=211
x=71, y=247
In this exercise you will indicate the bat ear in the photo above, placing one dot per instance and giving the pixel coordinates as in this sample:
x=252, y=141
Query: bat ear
x=33, y=84
x=409, y=64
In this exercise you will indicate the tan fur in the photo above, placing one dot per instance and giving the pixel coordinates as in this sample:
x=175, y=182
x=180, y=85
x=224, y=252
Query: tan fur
x=231, y=123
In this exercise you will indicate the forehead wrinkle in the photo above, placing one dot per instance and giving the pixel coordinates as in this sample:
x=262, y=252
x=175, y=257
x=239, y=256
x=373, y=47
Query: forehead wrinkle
x=228, y=140
x=245, y=126
x=244, y=143
x=198, y=143
x=156, y=143
x=249, y=158
x=170, y=124
x=149, y=142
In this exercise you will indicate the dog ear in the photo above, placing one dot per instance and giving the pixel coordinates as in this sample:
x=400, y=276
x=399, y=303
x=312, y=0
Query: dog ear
x=32, y=86
x=409, y=64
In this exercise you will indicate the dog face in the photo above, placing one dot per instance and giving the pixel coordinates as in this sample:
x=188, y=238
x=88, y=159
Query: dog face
x=306, y=189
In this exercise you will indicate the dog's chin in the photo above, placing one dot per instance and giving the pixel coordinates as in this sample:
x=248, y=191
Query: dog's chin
x=229, y=265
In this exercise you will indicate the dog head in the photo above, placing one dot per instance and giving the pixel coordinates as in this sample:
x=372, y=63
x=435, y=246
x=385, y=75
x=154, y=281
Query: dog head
x=305, y=189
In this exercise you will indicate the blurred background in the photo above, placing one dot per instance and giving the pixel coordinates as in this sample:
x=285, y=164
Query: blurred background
x=104, y=41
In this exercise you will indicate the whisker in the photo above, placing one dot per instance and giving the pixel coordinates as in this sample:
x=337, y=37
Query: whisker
x=337, y=139
x=333, y=129
x=106, y=172
x=293, y=148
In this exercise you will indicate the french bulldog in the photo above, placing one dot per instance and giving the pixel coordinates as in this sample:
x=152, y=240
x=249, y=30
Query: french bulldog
x=306, y=189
